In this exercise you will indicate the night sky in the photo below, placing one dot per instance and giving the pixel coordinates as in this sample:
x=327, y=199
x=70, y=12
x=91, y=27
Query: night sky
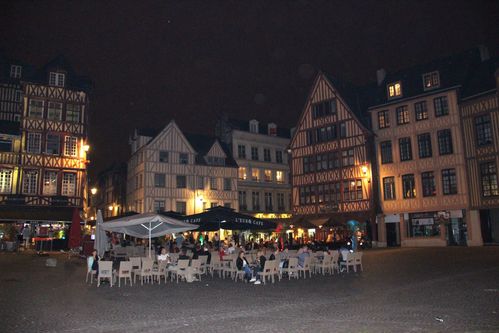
x=152, y=61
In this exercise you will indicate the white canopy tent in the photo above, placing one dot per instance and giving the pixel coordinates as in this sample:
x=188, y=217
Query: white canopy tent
x=147, y=225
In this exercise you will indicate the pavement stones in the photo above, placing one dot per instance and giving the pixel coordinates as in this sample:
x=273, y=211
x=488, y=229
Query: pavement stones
x=400, y=290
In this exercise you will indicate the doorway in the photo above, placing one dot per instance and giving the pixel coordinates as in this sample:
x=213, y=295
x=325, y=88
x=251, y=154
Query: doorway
x=392, y=234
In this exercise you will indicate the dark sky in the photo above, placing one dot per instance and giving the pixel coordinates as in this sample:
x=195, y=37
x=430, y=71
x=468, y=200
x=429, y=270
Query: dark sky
x=152, y=61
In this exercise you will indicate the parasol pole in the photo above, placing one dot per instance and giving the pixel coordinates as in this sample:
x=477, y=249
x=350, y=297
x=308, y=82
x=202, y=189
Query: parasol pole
x=149, y=239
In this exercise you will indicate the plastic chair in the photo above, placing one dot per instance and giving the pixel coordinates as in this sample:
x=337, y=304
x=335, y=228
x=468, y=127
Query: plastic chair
x=105, y=272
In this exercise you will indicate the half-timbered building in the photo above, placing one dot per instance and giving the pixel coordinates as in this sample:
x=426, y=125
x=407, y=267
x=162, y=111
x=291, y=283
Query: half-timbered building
x=48, y=169
x=331, y=157
x=480, y=122
x=173, y=171
x=421, y=155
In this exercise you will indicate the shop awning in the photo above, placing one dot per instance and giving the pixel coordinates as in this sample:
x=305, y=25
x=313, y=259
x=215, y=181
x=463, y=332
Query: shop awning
x=226, y=218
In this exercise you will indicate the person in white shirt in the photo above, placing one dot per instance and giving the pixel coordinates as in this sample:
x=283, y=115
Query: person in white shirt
x=164, y=255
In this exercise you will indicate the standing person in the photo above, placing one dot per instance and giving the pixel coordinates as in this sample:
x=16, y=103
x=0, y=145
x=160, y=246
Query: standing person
x=26, y=235
x=216, y=239
x=179, y=240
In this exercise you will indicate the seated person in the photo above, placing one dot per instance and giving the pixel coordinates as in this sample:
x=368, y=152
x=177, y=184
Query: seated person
x=302, y=254
x=231, y=248
x=243, y=265
x=164, y=255
x=259, y=267
x=275, y=255
x=183, y=255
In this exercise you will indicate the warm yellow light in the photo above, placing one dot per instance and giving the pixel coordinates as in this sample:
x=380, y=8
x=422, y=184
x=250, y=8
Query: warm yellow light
x=86, y=148
x=93, y=190
x=110, y=207
x=364, y=170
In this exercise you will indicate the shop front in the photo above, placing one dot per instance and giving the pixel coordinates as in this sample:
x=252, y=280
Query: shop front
x=435, y=228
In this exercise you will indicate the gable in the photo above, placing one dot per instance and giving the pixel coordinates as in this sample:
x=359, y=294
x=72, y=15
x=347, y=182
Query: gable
x=171, y=138
x=323, y=90
x=216, y=150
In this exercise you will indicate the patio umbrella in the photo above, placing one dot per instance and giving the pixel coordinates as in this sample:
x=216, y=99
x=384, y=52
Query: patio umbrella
x=147, y=225
x=100, y=242
x=222, y=217
x=75, y=230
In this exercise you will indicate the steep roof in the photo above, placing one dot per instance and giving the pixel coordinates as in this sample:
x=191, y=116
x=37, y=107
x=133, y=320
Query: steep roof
x=61, y=63
x=482, y=78
x=453, y=71
x=357, y=97
x=200, y=143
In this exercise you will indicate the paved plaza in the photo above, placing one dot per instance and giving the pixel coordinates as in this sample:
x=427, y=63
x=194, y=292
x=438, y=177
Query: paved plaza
x=400, y=290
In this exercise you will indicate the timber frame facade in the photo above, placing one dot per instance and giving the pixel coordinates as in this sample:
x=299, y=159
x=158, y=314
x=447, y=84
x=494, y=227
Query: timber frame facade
x=48, y=167
x=479, y=110
x=173, y=171
x=331, y=158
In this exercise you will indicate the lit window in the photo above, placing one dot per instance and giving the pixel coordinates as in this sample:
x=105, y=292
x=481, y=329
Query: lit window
x=242, y=173
x=383, y=119
x=68, y=184
x=5, y=181
x=402, y=115
x=57, y=79
x=268, y=175
x=279, y=176
x=408, y=186
x=394, y=90
x=70, y=143
x=254, y=174
x=431, y=80
x=488, y=175
x=15, y=71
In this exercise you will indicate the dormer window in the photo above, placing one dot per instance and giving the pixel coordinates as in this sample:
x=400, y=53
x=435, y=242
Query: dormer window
x=253, y=126
x=394, y=90
x=15, y=71
x=272, y=129
x=431, y=80
x=57, y=79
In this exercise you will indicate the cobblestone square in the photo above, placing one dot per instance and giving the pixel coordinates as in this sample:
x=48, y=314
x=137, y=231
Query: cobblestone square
x=400, y=290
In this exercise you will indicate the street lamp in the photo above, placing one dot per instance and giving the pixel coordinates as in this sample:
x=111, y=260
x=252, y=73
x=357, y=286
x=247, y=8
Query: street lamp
x=93, y=190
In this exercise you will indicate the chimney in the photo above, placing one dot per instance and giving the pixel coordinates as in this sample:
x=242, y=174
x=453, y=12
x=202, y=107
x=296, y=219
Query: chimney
x=380, y=76
x=484, y=52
